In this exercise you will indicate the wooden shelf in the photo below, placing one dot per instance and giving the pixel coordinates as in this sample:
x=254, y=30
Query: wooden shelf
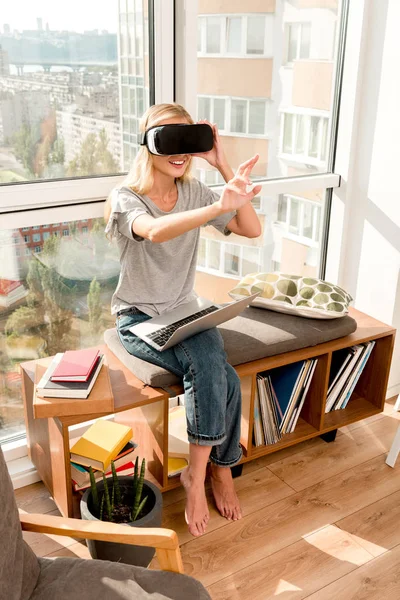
x=357, y=408
x=146, y=409
x=303, y=431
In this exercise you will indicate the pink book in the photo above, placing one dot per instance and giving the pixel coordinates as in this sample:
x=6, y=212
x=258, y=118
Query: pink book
x=75, y=365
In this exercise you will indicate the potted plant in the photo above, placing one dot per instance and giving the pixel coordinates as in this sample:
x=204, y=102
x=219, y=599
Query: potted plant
x=133, y=501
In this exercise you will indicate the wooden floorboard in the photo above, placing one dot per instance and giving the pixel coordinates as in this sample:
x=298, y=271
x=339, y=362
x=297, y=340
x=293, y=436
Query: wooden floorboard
x=320, y=522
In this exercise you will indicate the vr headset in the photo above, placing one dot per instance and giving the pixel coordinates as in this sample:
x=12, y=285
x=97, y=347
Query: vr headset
x=178, y=138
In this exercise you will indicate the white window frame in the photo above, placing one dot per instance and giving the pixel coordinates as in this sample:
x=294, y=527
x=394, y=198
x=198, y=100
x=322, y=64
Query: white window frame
x=54, y=201
x=318, y=160
x=228, y=113
x=223, y=49
x=222, y=251
x=315, y=238
x=288, y=26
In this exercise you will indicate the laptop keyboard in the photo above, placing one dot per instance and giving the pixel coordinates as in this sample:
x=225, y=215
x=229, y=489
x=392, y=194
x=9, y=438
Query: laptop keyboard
x=161, y=336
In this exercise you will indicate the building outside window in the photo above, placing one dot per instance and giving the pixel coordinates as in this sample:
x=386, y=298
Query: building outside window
x=234, y=115
x=304, y=136
x=241, y=35
x=300, y=217
x=298, y=37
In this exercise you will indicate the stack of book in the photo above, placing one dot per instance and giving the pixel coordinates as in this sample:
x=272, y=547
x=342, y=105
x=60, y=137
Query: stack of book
x=71, y=374
x=279, y=398
x=104, y=441
x=346, y=368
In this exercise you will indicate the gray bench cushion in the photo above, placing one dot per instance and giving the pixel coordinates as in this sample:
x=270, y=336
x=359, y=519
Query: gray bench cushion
x=255, y=333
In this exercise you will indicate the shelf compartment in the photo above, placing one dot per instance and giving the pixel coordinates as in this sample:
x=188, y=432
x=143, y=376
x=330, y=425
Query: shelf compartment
x=303, y=431
x=358, y=408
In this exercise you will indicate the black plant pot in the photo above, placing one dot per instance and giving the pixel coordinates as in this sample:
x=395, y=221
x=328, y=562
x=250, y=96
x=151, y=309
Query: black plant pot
x=126, y=553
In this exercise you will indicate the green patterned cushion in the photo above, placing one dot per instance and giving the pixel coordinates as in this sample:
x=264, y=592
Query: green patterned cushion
x=293, y=294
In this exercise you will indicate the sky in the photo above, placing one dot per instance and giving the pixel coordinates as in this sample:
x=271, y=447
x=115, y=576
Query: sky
x=74, y=15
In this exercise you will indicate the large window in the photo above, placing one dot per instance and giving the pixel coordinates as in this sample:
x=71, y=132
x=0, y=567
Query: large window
x=73, y=84
x=54, y=295
x=72, y=91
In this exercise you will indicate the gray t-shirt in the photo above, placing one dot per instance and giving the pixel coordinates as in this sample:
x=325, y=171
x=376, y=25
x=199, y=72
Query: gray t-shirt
x=157, y=277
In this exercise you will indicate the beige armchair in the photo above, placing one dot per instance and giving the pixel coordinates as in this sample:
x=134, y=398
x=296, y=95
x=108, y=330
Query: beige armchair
x=24, y=576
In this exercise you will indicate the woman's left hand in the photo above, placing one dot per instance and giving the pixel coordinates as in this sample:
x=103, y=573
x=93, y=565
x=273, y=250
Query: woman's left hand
x=216, y=156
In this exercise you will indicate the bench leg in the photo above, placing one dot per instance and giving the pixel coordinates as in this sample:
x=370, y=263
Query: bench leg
x=394, y=450
x=330, y=436
x=237, y=470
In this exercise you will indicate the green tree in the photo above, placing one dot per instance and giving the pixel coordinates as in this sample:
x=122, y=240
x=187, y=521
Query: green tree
x=94, y=157
x=24, y=142
x=95, y=306
x=48, y=313
x=57, y=153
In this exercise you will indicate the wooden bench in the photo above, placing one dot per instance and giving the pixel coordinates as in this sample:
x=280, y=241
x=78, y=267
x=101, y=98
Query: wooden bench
x=145, y=407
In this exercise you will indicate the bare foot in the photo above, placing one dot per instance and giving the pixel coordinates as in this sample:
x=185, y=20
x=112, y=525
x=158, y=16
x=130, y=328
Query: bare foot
x=224, y=493
x=196, y=512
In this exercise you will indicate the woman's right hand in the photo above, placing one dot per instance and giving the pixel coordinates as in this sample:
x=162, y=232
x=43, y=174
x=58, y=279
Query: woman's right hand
x=234, y=195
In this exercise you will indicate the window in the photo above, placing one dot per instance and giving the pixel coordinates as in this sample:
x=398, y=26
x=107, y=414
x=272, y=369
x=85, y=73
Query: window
x=255, y=35
x=85, y=229
x=25, y=228
x=27, y=251
x=300, y=216
x=65, y=232
x=246, y=116
x=305, y=137
x=232, y=259
x=36, y=237
x=238, y=35
x=234, y=34
x=238, y=260
x=298, y=37
x=27, y=239
x=38, y=249
x=46, y=235
x=54, y=117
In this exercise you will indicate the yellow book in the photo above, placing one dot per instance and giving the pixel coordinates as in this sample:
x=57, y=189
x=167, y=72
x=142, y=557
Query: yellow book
x=176, y=466
x=100, y=444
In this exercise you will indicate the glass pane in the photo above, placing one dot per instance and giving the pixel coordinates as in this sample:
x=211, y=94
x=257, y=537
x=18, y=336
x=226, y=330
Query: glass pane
x=293, y=41
x=255, y=35
x=257, y=117
x=314, y=130
x=214, y=255
x=238, y=116
x=232, y=259
x=234, y=34
x=250, y=261
x=299, y=134
x=294, y=216
x=305, y=40
x=282, y=209
x=60, y=81
x=199, y=31
x=204, y=109
x=219, y=113
x=288, y=133
x=306, y=89
x=213, y=35
x=54, y=296
x=308, y=217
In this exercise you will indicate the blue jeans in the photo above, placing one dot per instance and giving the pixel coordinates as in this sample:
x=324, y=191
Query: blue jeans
x=212, y=387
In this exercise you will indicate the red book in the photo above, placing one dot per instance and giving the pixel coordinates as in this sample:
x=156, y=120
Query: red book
x=75, y=365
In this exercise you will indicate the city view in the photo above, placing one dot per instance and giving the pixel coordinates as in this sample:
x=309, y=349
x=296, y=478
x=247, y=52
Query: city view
x=71, y=98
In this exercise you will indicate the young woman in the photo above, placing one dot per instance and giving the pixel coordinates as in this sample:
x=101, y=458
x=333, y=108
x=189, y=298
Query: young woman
x=155, y=217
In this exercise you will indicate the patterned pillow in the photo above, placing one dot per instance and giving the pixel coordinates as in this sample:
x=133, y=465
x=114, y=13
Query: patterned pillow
x=293, y=294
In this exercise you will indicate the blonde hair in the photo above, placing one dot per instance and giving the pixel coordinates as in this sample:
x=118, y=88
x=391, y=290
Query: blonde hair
x=141, y=175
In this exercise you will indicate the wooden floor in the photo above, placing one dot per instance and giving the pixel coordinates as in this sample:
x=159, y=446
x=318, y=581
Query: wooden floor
x=321, y=521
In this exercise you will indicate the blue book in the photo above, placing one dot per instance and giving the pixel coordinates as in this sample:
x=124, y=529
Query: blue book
x=284, y=380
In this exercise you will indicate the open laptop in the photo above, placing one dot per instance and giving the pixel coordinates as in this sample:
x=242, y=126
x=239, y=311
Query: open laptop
x=164, y=331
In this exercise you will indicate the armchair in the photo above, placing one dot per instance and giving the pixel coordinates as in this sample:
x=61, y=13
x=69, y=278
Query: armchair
x=24, y=576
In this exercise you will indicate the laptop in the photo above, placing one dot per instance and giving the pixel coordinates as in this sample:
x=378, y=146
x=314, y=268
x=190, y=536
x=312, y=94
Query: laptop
x=169, y=329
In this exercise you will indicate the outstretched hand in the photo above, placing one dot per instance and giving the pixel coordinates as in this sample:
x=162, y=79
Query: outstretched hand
x=234, y=195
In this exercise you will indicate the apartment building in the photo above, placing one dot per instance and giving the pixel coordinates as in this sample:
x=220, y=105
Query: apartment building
x=265, y=76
